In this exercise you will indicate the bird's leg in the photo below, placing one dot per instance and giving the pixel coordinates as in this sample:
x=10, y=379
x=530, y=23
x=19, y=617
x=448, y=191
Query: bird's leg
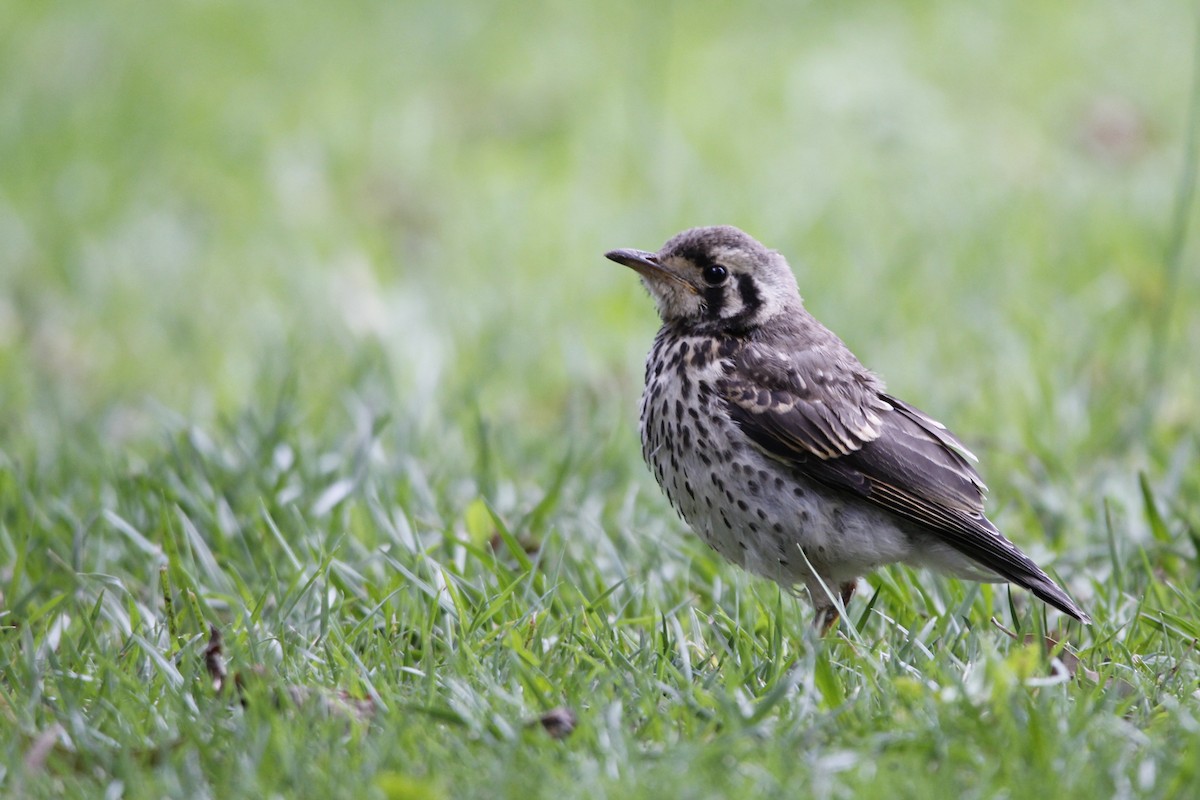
x=827, y=616
x=825, y=619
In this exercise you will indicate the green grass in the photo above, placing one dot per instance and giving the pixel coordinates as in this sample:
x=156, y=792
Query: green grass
x=305, y=334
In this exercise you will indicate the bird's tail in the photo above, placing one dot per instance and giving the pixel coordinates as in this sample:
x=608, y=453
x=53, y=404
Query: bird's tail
x=1046, y=589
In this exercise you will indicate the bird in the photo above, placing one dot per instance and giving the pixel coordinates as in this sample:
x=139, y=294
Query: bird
x=784, y=453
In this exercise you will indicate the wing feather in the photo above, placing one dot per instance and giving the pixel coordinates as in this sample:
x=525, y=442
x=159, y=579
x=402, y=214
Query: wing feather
x=838, y=427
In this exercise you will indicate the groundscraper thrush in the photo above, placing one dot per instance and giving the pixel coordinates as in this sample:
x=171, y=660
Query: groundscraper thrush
x=786, y=454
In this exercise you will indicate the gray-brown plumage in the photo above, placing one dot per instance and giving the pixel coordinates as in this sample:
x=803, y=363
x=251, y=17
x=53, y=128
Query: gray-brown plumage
x=784, y=452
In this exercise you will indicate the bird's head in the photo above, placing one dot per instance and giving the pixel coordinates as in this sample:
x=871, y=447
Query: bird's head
x=716, y=278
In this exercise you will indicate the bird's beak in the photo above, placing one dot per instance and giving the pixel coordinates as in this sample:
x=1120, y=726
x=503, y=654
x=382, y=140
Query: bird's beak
x=648, y=266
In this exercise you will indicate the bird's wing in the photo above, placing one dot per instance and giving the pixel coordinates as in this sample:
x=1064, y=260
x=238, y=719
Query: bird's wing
x=838, y=427
x=800, y=406
x=843, y=431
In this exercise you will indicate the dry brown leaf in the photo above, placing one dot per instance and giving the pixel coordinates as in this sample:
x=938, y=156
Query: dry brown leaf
x=336, y=703
x=1070, y=662
x=559, y=722
x=214, y=659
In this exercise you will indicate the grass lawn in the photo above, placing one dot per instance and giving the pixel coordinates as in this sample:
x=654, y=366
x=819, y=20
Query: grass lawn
x=306, y=337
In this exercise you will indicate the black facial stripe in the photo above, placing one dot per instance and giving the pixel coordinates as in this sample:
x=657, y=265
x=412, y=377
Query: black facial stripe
x=714, y=301
x=751, y=301
x=748, y=289
x=714, y=296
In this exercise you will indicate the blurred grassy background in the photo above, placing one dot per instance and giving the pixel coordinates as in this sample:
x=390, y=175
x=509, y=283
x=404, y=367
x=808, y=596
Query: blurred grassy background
x=288, y=223
x=196, y=199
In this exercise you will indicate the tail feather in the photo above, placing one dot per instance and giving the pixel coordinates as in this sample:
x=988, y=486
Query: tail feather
x=1044, y=588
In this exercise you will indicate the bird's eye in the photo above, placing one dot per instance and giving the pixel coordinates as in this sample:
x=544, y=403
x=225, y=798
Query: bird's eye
x=714, y=274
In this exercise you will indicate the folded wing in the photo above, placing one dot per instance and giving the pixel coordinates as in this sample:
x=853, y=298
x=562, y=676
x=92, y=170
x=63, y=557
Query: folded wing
x=843, y=431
